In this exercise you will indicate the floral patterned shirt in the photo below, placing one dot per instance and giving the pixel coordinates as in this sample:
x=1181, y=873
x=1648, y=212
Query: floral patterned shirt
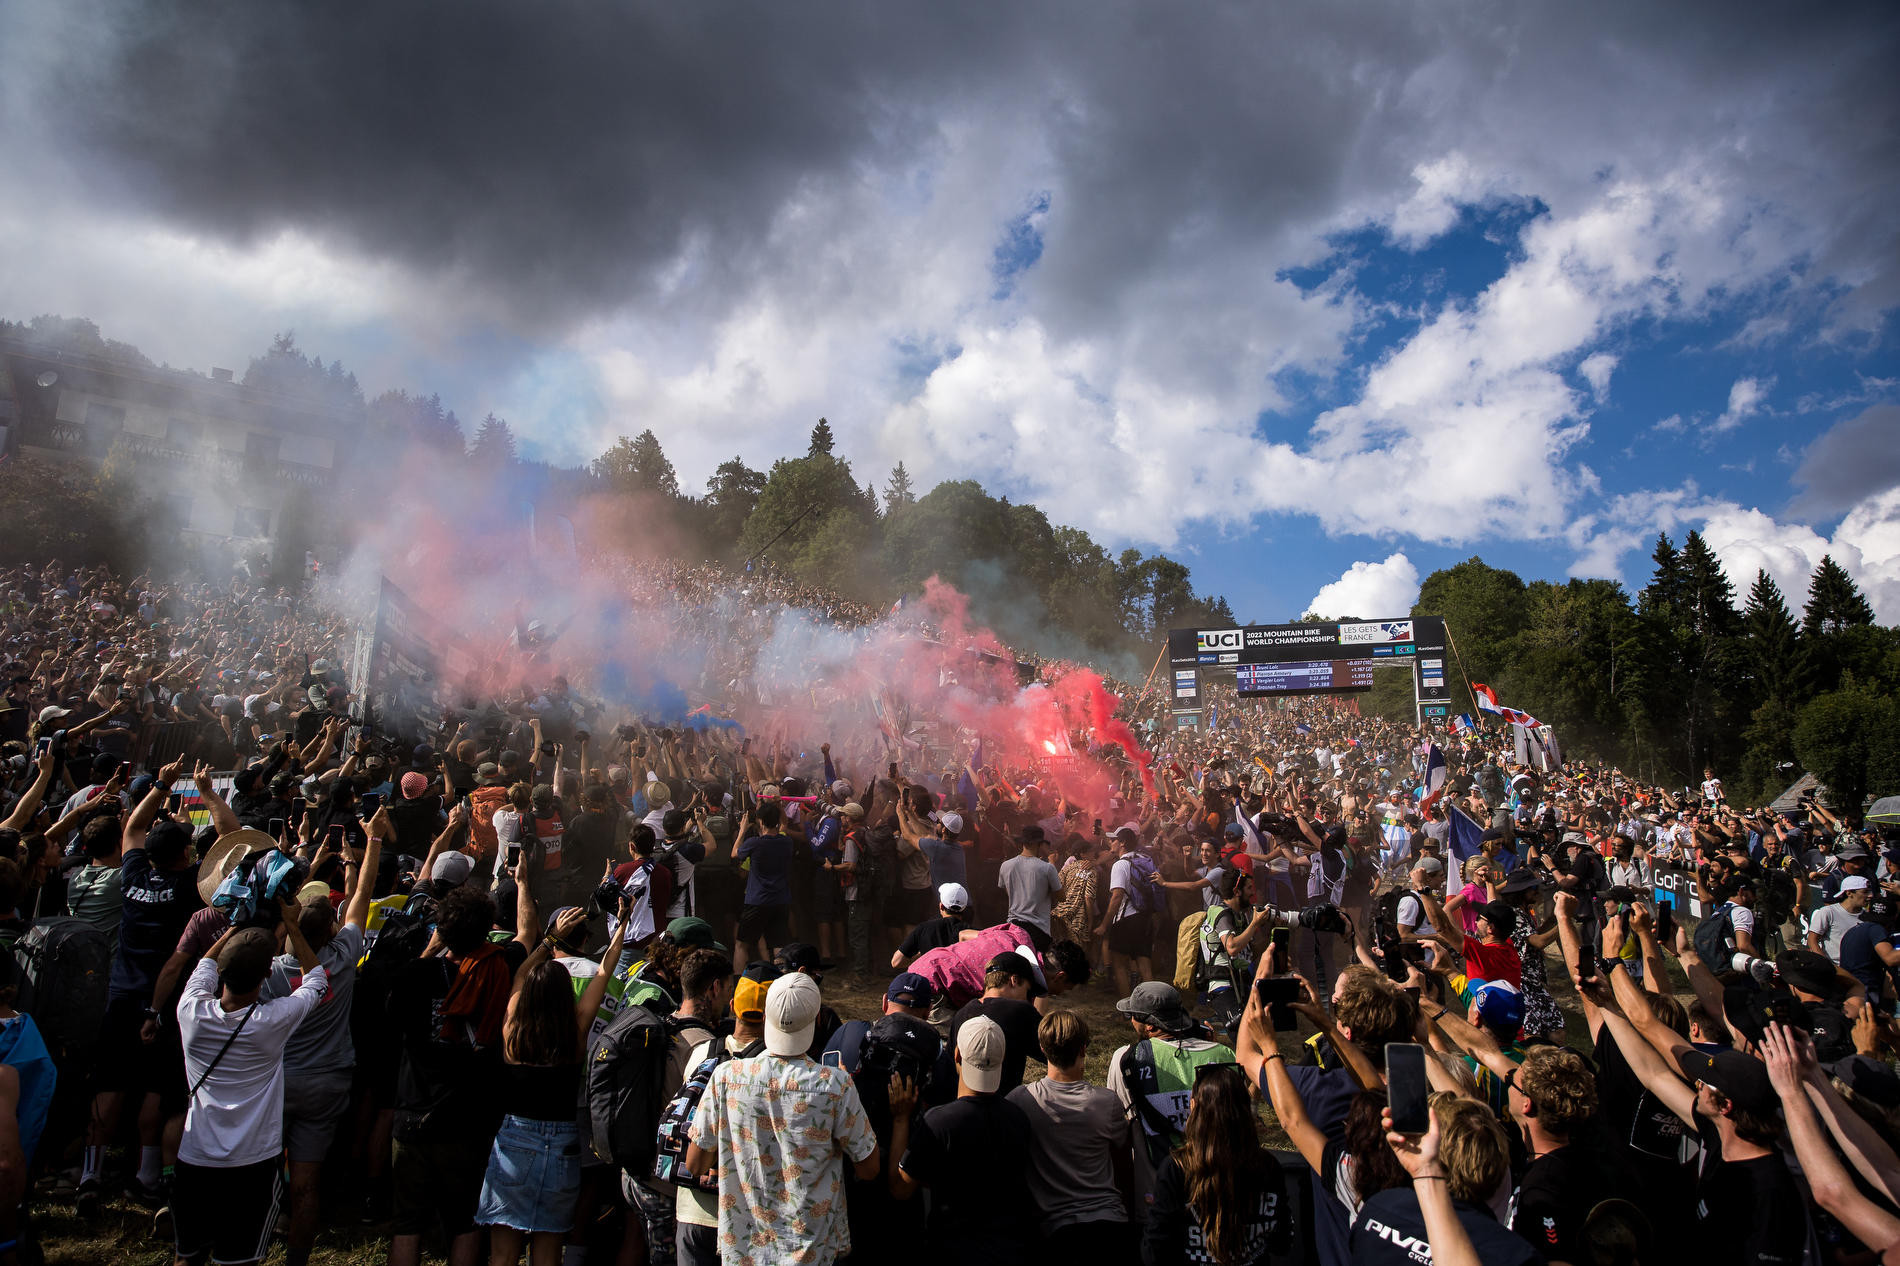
x=777, y=1126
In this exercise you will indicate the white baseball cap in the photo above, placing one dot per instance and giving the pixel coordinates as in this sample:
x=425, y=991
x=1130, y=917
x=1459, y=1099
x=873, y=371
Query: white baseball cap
x=979, y=1054
x=791, y=1014
x=953, y=896
x=952, y=823
x=1853, y=883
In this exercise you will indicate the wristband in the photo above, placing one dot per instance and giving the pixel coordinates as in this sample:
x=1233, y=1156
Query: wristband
x=376, y=839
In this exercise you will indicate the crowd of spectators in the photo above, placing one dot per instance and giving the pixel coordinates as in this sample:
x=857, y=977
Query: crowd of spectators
x=549, y=967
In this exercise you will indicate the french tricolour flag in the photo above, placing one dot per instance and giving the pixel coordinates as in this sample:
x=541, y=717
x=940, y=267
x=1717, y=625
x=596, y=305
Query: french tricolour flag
x=1487, y=698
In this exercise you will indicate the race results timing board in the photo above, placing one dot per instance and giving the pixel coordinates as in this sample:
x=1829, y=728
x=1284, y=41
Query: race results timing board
x=1318, y=657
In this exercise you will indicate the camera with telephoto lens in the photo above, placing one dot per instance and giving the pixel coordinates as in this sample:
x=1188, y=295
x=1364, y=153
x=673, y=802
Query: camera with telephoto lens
x=626, y=733
x=1320, y=918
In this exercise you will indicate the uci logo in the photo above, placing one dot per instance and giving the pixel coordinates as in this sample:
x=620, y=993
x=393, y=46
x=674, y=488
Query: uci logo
x=1220, y=640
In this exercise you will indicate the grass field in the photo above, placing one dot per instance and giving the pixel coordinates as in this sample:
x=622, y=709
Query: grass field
x=122, y=1236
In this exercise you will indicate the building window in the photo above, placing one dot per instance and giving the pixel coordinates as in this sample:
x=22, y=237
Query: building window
x=183, y=432
x=252, y=521
x=262, y=448
x=105, y=417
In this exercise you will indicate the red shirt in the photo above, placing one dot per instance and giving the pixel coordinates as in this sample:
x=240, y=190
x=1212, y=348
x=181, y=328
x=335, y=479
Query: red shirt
x=1493, y=962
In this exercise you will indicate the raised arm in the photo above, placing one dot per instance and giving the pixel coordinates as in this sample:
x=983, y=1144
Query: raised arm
x=1789, y=1054
x=1659, y=1077
x=357, y=913
x=221, y=816
x=596, y=992
x=29, y=804
x=1287, y=1105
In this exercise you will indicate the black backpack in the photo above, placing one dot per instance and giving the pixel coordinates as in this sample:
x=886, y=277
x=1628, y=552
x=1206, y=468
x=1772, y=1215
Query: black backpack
x=62, y=968
x=877, y=864
x=626, y=1073
x=1713, y=937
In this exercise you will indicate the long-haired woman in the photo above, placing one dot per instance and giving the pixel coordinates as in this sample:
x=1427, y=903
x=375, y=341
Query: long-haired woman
x=534, y=1167
x=1220, y=1183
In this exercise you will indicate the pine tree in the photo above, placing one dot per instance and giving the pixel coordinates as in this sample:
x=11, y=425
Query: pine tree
x=638, y=465
x=494, y=445
x=1834, y=601
x=1663, y=595
x=1708, y=599
x=821, y=439
x=1774, y=641
x=898, y=491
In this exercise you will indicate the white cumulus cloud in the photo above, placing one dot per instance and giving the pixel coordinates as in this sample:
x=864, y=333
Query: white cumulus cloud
x=1370, y=590
x=1745, y=400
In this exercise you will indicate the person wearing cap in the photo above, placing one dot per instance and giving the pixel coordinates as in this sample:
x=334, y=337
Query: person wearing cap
x=1226, y=931
x=978, y=1212
x=800, y=957
x=953, y=904
x=779, y=1126
x=1823, y=989
x=225, y=1190
x=1153, y=1074
x=1033, y=886
x=908, y=995
x=159, y=884
x=1832, y=921
x=320, y=1057
x=1489, y=953
x=415, y=815
x=1006, y=982
x=943, y=846
x=1870, y=952
x=1747, y=1207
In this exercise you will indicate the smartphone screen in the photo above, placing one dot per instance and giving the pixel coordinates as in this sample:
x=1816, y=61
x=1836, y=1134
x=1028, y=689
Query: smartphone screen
x=1407, y=1089
x=174, y=801
x=336, y=833
x=46, y=743
x=1276, y=993
x=1665, y=920
x=514, y=856
x=372, y=801
x=277, y=828
x=1586, y=961
x=833, y=1059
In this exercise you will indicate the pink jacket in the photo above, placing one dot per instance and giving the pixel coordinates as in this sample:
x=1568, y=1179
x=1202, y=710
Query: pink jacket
x=956, y=971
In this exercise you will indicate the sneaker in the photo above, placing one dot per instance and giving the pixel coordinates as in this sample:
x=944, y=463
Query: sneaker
x=87, y=1202
x=162, y=1225
x=150, y=1197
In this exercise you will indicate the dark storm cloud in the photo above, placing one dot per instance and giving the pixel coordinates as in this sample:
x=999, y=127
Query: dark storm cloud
x=1853, y=459
x=559, y=156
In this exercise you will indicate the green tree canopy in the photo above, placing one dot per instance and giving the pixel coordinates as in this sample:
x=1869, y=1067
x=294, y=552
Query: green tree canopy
x=638, y=465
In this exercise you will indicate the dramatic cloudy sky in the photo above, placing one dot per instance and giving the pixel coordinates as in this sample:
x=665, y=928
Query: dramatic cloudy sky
x=1320, y=297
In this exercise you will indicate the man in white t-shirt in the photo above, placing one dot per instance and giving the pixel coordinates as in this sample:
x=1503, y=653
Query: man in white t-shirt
x=226, y=1187
x=1429, y=874
x=1834, y=920
x=1711, y=786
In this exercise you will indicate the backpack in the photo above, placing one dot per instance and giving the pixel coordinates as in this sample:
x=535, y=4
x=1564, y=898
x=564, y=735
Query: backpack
x=1713, y=937
x=62, y=967
x=877, y=864
x=669, y=1157
x=1147, y=895
x=1389, y=907
x=626, y=1068
x=1190, y=972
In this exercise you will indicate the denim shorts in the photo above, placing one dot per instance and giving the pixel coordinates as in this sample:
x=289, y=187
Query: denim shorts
x=534, y=1176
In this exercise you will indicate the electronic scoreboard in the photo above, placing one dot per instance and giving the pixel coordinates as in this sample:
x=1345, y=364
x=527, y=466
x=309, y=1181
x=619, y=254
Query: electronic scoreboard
x=1329, y=657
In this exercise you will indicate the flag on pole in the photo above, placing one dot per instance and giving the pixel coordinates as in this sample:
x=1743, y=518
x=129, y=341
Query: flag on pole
x=1466, y=835
x=1434, y=780
x=898, y=605
x=1463, y=724
x=1486, y=697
